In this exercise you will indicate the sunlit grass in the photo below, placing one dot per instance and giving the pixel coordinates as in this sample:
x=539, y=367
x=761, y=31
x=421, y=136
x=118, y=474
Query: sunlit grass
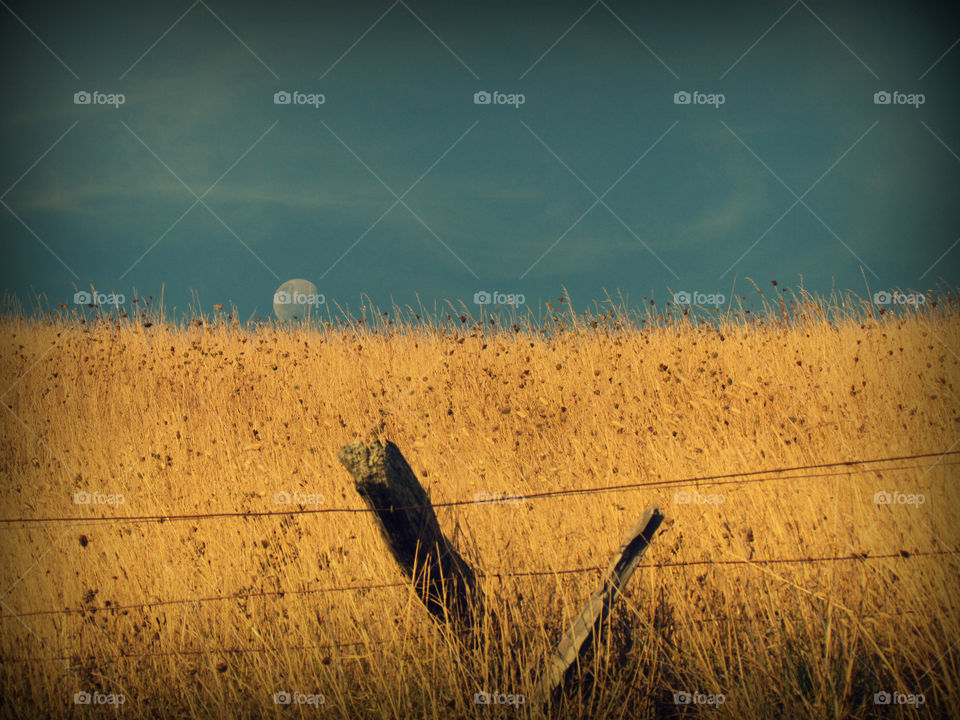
x=212, y=415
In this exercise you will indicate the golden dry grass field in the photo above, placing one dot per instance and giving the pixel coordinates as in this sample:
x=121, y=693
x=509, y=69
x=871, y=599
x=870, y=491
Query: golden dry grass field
x=230, y=613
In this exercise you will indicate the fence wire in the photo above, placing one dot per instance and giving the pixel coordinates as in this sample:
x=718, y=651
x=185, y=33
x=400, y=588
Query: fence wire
x=722, y=479
x=336, y=646
x=114, y=609
x=775, y=474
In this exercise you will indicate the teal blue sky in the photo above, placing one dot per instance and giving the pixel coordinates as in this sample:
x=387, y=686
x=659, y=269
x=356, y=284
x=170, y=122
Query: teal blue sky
x=400, y=186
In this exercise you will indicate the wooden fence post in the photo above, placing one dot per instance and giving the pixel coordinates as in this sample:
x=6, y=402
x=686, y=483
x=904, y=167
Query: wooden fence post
x=444, y=581
x=598, y=608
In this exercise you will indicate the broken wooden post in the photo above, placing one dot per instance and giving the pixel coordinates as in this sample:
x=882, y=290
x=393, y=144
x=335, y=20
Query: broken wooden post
x=601, y=602
x=442, y=578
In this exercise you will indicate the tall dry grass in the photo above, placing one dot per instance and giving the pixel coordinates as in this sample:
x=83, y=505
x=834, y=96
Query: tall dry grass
x=209, y=416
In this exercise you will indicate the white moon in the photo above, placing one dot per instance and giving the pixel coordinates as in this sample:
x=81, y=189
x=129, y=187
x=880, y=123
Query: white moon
x=296, y=298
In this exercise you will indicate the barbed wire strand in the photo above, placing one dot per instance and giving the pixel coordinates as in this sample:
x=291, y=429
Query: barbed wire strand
x=8, y=523
x=113, y=609
x=660, y=624
x=212, y=651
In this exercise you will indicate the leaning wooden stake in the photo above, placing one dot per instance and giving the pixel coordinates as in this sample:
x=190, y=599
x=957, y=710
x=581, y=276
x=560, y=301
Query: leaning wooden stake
x=444, y=581
x=601, y=602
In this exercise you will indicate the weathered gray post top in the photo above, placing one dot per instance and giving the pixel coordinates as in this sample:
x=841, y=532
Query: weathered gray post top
x=442, y=578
